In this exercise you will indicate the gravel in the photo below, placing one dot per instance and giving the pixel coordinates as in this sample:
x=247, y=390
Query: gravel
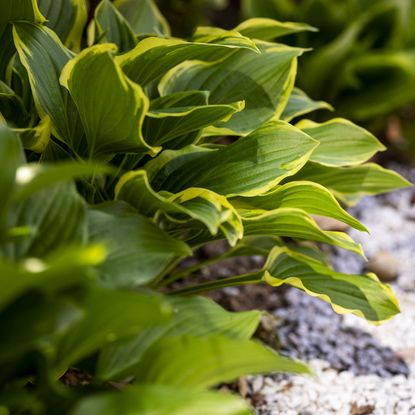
x=360, y=369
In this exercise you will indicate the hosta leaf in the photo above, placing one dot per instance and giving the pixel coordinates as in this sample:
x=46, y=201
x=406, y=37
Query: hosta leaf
x=111, y=27
x=250, y=166
x=99, y=327
x=202, y=362
x=369, y=70
x=143, y=16
x=192, y=204
x=56, y=217
x=308, y=196
x=12, y=106
x=173, y=118
x=138, y=250
x=44, y=57
x=11, y=11
x=356, y=181
x=31, y=178
x=300, y=104
x=267, y=80
x=196, y=316
x=162, y=400
x=293, y=223
x=362, y=295
x=342, y=143
x=11, y=156
x=153, y=56
x=37, y=138
x=269, y=29
x=111, y=107
x=72, y=268
x=66, y=18
x=48, y=320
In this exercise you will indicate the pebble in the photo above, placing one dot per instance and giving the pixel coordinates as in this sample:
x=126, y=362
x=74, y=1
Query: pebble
x=361, y=369
x=385, y=266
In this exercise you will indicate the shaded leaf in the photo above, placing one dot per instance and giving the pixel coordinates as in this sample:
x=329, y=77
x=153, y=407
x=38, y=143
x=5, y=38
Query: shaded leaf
x=66, y=18
x=111, y=27
x=154, y=57
x=143, y=16
x=138, y=250
x=196, y=316
x=99, y=327
x=264, y=81
x=173, y=118
x=193, y=204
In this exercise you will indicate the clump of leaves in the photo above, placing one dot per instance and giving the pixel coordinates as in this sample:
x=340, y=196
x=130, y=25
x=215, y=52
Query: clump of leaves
x=364, y=61
x=114, y=170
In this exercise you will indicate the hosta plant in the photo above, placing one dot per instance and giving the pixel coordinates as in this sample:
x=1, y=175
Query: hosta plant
x=364, y=58
x=122, y=152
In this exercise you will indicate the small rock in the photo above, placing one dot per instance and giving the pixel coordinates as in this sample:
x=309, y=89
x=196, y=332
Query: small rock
x=385, y=266
x=361, y=410
x=243, y=387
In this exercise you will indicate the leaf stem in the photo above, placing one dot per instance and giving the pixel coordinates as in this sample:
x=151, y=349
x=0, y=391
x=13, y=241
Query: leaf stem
x=237, y=280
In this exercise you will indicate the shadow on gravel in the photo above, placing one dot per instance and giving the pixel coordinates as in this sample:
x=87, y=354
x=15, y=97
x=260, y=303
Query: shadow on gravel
x=311, y=330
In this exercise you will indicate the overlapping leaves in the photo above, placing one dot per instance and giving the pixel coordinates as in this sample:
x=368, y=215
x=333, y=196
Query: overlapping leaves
x=130, y=173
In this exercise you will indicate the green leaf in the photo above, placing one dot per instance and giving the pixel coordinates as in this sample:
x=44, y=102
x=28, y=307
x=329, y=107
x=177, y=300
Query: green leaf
x=11, y=156
x=47, y=321
x=161, y=400
x=355, y=181
x=172, y=119
x=308, y=196
x=362, y=295
x=138, y=250
x=269, y=29
x=368, y=73
x=293, y=223
x=133, y=311
x=342, y=143
x=66, y=18
x=11, y=11
x=71, y=268
x=111, y=107
x=111, y=27
x=154, y=57
x=37, y=138
x=252, y=165
x=264, y=81
x=196, y=316
x=300, y=103
x=193, y=204
x=44, y=56
x=188, y=361
x=32, y=178
x=143, y=16
x=56, y=218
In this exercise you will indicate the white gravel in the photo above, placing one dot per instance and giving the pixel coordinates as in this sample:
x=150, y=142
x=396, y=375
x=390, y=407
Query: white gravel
x=361, y=369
